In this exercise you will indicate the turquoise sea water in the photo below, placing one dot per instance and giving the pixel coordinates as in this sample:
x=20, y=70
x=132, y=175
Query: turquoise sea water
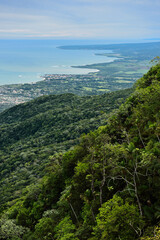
x=23, y=61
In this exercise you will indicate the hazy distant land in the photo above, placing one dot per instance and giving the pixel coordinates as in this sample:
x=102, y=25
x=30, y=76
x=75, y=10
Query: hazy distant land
x=132, y=61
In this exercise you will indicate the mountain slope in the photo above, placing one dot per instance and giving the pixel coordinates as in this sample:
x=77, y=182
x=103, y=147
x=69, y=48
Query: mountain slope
x=107, y=187
x=33, y=131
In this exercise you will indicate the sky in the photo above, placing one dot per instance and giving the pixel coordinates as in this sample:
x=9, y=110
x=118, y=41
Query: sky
x=79, y=19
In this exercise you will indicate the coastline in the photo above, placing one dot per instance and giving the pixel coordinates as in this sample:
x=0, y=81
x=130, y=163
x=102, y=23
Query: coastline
x=36, y=58
x=95, y=70
x=90, y=69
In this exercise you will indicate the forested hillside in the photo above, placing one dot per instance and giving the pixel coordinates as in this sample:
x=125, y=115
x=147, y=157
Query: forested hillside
x=107, y=187
x=31, y=133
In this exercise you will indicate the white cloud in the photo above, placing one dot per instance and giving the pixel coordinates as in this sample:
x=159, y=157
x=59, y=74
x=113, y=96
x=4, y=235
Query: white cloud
x=78, y=18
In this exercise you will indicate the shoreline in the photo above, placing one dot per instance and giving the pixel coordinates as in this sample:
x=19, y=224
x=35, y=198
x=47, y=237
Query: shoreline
x=89, y=69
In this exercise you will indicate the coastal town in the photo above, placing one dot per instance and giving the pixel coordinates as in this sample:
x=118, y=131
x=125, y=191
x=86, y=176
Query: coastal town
x=89, y=84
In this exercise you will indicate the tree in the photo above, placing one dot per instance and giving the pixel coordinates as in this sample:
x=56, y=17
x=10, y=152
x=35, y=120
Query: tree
x=155, y=235
x=65, y=230
x=44, y=229
x=9, y=229
x=118, y=220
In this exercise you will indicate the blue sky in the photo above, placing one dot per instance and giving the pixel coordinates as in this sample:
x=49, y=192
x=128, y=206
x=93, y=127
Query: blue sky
x=79, y=19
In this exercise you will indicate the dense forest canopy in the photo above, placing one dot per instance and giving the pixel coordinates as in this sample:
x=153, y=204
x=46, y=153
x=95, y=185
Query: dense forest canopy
x=106, y=187
x=31, y=133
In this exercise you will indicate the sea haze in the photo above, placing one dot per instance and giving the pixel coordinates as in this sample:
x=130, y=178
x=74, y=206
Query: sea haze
x=24, y=61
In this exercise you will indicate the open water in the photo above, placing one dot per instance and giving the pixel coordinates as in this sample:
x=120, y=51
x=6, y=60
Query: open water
x=24, y=61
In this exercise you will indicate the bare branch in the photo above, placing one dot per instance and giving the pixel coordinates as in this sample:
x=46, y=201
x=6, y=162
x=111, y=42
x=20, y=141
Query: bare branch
x=138, y=231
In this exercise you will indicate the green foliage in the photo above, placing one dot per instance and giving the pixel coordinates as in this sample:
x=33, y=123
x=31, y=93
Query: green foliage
x=9, y=229
x=44, y=229
x=118, y=220
x=32, y=132
x=151, y=77
x=65, y=230
x=153, y=235
x=107, y=187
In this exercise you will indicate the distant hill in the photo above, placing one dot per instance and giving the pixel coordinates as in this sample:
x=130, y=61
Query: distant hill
x=139, y=51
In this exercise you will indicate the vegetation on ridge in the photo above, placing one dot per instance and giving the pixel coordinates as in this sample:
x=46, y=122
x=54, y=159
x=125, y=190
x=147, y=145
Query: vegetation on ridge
x=107, y=187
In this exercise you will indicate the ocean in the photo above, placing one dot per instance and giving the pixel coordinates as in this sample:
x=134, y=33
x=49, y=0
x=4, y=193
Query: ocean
x=25, y=61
